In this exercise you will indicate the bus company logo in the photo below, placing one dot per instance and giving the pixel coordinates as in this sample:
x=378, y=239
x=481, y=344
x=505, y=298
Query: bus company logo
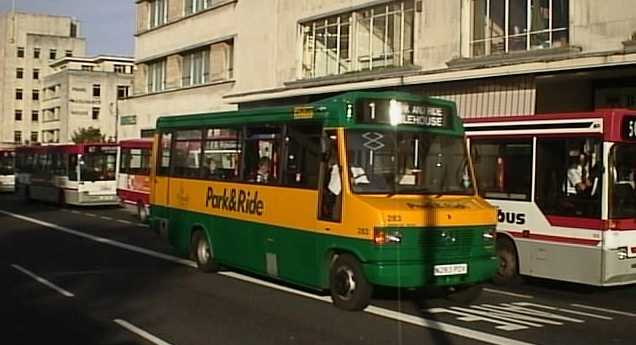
x=235, y=200
x=511, y=217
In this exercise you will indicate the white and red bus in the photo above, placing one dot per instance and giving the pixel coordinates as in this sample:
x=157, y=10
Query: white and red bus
x=565, y=188
x=133, y=178
x=76, y=174
x=7, y=170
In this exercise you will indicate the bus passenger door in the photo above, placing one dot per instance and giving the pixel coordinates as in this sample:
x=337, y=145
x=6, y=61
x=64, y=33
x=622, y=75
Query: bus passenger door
x=160, y=179
x=330, y=198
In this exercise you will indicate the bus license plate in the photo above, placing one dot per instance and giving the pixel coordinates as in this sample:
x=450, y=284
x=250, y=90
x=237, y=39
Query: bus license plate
x=449, y=270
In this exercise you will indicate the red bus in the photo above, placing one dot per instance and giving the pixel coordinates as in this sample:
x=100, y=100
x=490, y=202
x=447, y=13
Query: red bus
x=7, y=170
x=76, y=174
x=565, y=188
x=133, y=178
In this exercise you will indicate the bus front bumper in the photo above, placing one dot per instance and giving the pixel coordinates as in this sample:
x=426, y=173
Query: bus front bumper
x=420, y=274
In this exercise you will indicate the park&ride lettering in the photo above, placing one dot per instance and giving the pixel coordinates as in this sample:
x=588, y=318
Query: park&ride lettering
x=235, y=200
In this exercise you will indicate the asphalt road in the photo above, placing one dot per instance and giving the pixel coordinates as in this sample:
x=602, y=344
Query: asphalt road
x=96, y=276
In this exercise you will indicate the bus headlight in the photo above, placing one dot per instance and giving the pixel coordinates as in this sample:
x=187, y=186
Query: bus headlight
x=621, y=253
x=490, y=235
x=381, y=237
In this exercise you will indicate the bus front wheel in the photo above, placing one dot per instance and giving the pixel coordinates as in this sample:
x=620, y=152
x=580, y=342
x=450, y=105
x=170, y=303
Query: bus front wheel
x=142, y=214
x=202, y=252
x=350, y=289
x=508, y=271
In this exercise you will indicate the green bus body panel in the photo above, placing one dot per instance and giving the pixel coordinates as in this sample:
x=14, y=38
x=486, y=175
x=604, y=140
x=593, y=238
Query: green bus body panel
x=330, y=111
x=303, y=257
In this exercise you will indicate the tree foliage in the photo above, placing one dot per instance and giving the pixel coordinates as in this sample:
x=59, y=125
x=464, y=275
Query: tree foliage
x=88, y=135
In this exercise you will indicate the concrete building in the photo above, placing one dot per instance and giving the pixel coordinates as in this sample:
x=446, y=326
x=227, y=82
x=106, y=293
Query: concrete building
x=28, y=44
x=83, y=92
x=493, y=57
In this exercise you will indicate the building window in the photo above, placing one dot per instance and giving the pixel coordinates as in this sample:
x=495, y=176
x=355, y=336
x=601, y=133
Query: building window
x=122, y=91
x=18, y=115
x=20, y=52
x=502, y=26
x=36, y=53
x=52, y=54
x=366, y=39
x=97, y=90
x=194, y=6
x=17, y=137
x=18, y=94
x=88, y=68
x=196, y=68
x=35, y=116
x=36, y=74
x=156, y=76
x=19, y=73
x=158, y=13
x=68, y=53
x=35, y=94
x=34, y=137
x=95, y=113
x=120, y=68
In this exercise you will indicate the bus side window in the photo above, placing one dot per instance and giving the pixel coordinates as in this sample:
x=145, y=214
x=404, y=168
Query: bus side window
x=222, y=154
x=186, y=153
x=262, y=156
x=302, y=162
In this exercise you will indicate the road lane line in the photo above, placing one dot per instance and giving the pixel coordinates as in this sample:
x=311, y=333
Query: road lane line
x=124, y=221
x=501, y=292
x=42, y=281
x=575, y=312
x=102, y=240
x=76, y=212
x=105, y=218
x=89, y=214
x=143, y=225
x=383, y=312
x=611, y=311
x=140, y=332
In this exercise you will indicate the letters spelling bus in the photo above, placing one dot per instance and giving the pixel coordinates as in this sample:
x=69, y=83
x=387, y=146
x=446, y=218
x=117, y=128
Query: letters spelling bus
x=236, y=201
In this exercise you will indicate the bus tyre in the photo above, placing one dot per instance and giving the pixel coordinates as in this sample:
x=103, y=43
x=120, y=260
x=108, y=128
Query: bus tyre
x=464, y=294
x=508, y=271
x=350, y=289
x=202, y=253
x=142, y=213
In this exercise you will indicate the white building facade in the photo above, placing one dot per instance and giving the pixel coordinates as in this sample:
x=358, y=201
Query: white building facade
x=28, y=44
x=83, y=92
x=493, y=57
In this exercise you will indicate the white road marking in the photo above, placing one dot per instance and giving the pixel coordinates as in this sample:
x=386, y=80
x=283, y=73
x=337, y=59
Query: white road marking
x=570, y=311
x=42, y=281
x=105, y=218
x=611, y=311
x=140, y=332
x=102, y=240
x=386, y=313
x=76, y=212
x=501, y=292
x=89, y=214
x=143, y=225
x=124, y=221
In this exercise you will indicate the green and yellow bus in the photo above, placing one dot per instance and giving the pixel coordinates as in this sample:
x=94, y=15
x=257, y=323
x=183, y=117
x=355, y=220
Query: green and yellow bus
x=350, y=192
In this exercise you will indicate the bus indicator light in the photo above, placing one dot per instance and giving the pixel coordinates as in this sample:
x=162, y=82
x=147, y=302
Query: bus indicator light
x=303, y=113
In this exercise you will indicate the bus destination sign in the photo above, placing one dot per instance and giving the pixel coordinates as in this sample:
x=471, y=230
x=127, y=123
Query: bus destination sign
x=402, y=113
x=628, y=128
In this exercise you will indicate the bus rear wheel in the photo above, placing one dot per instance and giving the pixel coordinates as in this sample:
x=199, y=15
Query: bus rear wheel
x=202, y=252
x=508, y=271
x=350, y=289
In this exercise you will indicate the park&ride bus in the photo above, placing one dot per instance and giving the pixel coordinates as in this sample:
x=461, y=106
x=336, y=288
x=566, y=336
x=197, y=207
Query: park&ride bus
x=344, y=194
x=74, y=174
x=565, y=191
x=133, y=174
x=7, y=170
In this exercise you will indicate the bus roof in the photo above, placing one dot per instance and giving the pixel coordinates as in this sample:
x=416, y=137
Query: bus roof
x=331, y=110
x=144, y=143
x=609, y=123
x=65, y=148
